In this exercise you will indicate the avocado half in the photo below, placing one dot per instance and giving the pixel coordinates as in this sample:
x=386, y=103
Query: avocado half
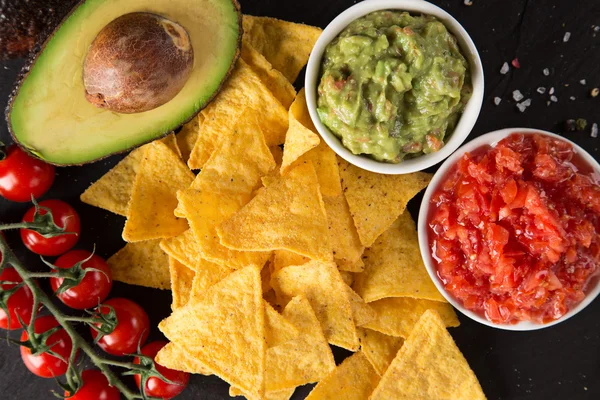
x=48, y=114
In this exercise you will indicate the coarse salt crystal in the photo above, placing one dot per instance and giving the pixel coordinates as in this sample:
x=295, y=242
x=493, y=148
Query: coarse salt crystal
x=541, y=90
x=468, y=2
x=567, y=37
x=572, y=98
x=497, y=100
x=505, y=68
x=554, y=99
x=551, y=90
x=546, y=71
x=597, y=28
x=583, y=81
x=517, y=95
x=594, y=133
x=523, y=105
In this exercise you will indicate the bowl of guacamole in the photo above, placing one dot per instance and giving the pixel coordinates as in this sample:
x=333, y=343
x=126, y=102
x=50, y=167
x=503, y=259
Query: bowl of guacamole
x=394, y=86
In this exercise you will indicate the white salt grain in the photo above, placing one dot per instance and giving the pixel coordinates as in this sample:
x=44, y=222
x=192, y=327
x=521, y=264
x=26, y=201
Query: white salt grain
x=546, y=71
x=497, y=100
x=517, y=95
x=522, y=106
x=554, y=99
x=572, y=98
x=594, y=133
x=567, y=37
x=551, y=90
x=468, y=2
x=583, y=81
x=541, y=90
x=505, y=68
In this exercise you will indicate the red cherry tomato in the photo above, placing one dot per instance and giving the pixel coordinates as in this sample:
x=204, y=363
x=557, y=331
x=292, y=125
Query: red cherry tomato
x=156, y=387
x=20, y=302
x=65, y=217
x=133, y=326
x=93, y=288
x=22, y=176
x=46, y=365
x=95, y=387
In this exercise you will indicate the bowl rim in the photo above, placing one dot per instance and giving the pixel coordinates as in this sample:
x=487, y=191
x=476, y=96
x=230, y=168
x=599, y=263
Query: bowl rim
x=467, y=120
x=492, y=139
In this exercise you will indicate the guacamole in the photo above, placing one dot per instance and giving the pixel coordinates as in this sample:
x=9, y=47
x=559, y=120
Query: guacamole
x=393, y=85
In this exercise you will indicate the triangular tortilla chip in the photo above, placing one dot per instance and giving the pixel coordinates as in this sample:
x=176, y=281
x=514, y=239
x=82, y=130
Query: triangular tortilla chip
x=186, y=138
x=307, y=358
x=326, y=166
x=286, y=45
x=207, y=275
x=362, y=313
x=429, y=366
x=174, y=357
x=278, y=329
x=379, y=349
x=284, y=258
x=376, y=200
x=274, y=80
x=184, y=248
x=243, y=90
x=225, y=330
x=344, y=239
x=289, y=214
x=349, y=266
x=143, y=264
x=353, y=379
x=398, y=316
x=394, y=267
x=299, y=138
x=348, y=277
x=153, y=197
x=328, y=295
x=181, y=283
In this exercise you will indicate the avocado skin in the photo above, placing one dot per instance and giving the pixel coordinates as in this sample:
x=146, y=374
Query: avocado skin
x=47, y=34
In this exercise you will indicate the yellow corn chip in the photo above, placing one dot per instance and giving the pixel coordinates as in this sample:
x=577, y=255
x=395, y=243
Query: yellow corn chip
x=274, y=80
x=184, y=248
x=113, y=190
x=362, y=313
x=325, y=162
x=153, y=198
x=286, y=45
x=344, y=239
x=186, y=138
x=277, y=328
x=141, y=263
x=348, y=266
x=281, y=395
x=429, y=366
x=327, y=293
x=225, y=330
x=181, y=282
x=394, y=267
x=174, y=357
x=284, y=258
x=299, y=138
x=353, y=379
x=348, y=277
x=306, y=359
x=277, y=156
x=376, y=200
x=206, y=275
x=288, y=214
x=379, y=349
x=398, y=316
x=243, y=90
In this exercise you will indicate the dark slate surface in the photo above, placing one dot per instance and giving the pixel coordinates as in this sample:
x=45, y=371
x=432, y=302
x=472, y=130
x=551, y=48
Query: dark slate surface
x=562, y=362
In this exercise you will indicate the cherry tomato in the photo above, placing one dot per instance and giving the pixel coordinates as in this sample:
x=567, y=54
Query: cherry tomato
x=95, y=387
x=22, y=176
x=65, y=217
x=156, y=387
x=133, y=326
x=93, y=288
x=46, y=365
x=20, y=302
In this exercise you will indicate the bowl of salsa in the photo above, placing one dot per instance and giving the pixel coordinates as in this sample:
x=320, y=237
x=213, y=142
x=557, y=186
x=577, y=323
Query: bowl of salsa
x=509, y=229
x=394, y=86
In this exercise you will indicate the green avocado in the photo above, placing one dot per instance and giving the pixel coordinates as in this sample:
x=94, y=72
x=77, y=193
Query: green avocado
x=49, y=114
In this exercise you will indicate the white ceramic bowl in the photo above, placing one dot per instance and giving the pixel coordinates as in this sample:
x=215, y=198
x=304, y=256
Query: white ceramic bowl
x=464, y=126
x=491, y=139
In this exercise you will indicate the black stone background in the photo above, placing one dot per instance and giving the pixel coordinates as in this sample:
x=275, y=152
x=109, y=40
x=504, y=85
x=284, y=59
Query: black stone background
x=562, y=362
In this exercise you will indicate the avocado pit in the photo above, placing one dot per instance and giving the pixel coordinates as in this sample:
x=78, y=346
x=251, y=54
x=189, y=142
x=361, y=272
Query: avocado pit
x=137, y=63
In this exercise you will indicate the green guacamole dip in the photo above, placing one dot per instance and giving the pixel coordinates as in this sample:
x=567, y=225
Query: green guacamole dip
x=393, y=85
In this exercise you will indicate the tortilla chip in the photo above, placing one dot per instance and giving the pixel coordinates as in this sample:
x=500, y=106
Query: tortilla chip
x=143, y=264
x=394, y=267
x=307, y=358
x=299, y=138
x=348, y=266
x=225, y=330
x=326, y=166
x=288, y=214
x=327, y=293
x=277, y=156
x=181, y=283
x=243, y=90
x=286, y=45
x=348, y=277
x=379, y=349
x=281, y=395
x=353, y=379
x=398, y=316
x=186, y=138
x=376, y=200
x=274, y=80
x=284, y=258
x=207, y=275
x=184, y=248
x=344, y=239
x=113, y=190
x=429, y=366
x=153, y=198
x=362, y=313
x=277, y=328
x=174, y=357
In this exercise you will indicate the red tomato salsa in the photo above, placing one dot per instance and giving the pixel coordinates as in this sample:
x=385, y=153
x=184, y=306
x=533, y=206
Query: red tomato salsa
x=515, y=229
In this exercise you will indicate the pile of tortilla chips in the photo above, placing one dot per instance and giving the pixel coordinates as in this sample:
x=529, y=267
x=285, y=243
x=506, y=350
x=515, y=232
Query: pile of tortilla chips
x=274, y=255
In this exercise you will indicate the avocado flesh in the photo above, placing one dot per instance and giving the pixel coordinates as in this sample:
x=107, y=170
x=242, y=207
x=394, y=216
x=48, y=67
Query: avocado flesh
x=49, y=114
